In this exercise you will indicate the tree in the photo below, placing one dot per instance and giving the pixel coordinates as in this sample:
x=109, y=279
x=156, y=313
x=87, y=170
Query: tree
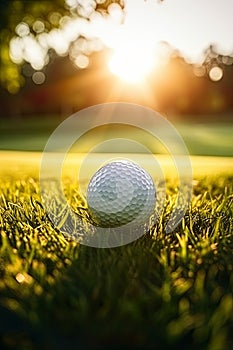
x=26, y=20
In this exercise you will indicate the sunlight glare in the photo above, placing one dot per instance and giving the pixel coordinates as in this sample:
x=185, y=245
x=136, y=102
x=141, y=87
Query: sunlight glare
x=131, y=65
x=133, y=50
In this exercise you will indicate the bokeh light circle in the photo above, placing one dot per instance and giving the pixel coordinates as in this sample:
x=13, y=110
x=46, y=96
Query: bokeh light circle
x=216, y=73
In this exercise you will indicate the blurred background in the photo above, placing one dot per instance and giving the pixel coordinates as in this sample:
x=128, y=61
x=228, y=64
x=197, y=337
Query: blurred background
x=58, y=57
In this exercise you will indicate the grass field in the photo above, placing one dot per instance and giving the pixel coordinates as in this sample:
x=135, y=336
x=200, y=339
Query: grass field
x=209, y=139
x=163, y=291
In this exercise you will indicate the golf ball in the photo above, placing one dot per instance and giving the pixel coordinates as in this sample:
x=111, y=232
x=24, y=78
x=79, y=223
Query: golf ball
x=119, y=193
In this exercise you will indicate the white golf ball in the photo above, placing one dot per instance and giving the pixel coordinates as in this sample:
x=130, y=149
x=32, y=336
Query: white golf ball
x=119, y=193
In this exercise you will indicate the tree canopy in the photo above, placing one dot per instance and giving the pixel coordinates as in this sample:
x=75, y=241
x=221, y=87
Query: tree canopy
x=23, y=24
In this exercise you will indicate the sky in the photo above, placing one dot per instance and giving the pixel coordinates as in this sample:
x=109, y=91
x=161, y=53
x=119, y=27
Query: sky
x=189, y=26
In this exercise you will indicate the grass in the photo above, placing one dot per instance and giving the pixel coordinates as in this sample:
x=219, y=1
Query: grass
x=163, y=291
x=207, y=138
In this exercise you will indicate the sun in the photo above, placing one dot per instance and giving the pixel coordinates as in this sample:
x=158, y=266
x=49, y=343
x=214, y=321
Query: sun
x=131, y=64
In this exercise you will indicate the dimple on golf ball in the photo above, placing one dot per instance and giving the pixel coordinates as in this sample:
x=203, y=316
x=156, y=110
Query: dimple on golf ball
x=119, y=193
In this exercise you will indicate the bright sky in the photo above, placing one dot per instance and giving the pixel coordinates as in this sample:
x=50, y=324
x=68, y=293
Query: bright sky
x=189, y=26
